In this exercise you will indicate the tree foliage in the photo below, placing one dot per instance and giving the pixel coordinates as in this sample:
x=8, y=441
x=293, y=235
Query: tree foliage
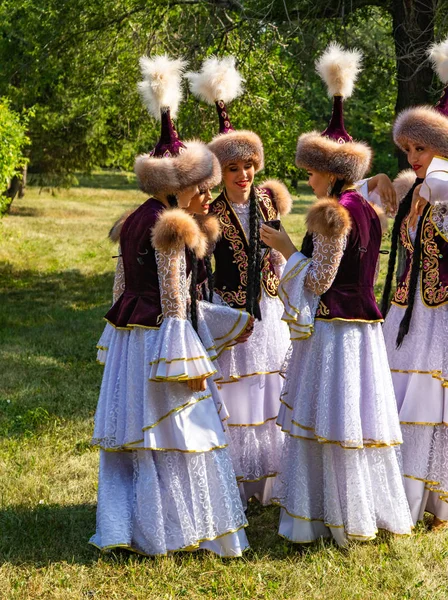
x=75, y=62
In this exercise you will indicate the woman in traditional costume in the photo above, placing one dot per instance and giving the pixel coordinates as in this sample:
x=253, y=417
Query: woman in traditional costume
x=341, y=473
x=416, y=326
x=246, y=277
x=166, y=480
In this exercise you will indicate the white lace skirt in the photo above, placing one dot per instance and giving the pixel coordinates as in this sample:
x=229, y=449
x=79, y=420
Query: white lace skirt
x=341, y=473
x=420, y=376
x=250, y=388
x=165, y=483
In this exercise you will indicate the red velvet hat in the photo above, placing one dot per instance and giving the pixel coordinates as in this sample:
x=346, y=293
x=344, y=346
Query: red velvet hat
x=333, y=150
x=172, y=165
x=219, y=82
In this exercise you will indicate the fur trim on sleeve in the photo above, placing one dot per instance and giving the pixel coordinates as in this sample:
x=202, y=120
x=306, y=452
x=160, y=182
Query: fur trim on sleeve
x=210, y=227
x=175, y=229
x=328, y=218
x=403, y=183
x=381, y=216
x=280, y=195
x=115, y=231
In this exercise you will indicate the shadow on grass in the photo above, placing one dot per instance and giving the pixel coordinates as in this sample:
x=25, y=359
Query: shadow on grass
x=46, y=534
x=49, y=327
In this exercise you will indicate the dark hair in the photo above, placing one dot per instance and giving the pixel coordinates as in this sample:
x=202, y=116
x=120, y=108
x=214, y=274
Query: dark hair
x=193, y=290
x=254, y=258
x=415, y=269
x=403, y=210
x=172, y=200
x=210, y=278
x=336, y=190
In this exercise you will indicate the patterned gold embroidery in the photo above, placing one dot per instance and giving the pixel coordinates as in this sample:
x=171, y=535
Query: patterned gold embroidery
x=267, y=204
x=269, y=278
x=402, y=291
x=322, y=310
x=432, y=290
x=230, y=233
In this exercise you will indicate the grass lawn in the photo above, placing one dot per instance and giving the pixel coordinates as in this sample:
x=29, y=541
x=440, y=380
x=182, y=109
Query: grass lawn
x=56, y=275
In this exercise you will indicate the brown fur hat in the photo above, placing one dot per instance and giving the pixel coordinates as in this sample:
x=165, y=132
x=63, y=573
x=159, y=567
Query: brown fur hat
x=210, y=227
x=216, y=176
x=176, y=229
x=170, y=174
x=403, y=183
x=238, y=145
x=328, y=218
x=115, y=231
x=422, y=125
x=351, y=161
x=280, y=195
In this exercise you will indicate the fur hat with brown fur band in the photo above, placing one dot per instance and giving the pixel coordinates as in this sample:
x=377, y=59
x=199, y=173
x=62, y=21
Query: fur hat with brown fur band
x=218, y=83
x=334, y=151
x=172, y=165
x=427, y=125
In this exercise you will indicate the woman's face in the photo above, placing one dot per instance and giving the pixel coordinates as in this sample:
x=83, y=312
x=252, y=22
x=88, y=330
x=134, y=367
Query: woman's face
x=319, y=182
x=185, y=197
x=419, y=158
x=238, y=177
x=200, y=203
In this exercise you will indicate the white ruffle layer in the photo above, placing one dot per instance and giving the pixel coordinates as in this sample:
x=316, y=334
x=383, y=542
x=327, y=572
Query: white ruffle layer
x=300, y=304
x=158, y=502
x=264, y=351
x=425, y=347
x=328, y=490
x=219, y=325
x=338, y=387
x=134, y=411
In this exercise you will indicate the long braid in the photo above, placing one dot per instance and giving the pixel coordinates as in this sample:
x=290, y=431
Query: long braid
x=253, y=263
x=193, y=290
x=415, y=270
x=403, y=210
x=210, y=277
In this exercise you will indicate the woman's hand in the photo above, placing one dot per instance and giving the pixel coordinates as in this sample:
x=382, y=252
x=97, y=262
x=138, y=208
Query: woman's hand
x=384, y=188
x=417, y=207
x=197, y=385
x=247, y=332
x=279, y=240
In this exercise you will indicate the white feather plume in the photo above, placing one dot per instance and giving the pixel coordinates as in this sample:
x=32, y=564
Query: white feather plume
x=161, y=87
x=438, y=54
x=339, y=69
x=218, y=79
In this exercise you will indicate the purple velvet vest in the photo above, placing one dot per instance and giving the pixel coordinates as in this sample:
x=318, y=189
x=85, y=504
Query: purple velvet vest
x=351, y=296
x=433, y=260
x=140, y=304
x=232, y=249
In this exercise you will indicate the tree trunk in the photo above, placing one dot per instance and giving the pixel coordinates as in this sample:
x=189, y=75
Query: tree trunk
x=413, y=31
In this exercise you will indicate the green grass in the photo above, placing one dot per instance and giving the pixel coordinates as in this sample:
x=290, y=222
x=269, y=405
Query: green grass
x=56, y=275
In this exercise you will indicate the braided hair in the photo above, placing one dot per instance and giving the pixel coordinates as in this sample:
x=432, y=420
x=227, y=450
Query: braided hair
x=254, y=258
x=194, y=290
x=210, y=278
x=403, y=210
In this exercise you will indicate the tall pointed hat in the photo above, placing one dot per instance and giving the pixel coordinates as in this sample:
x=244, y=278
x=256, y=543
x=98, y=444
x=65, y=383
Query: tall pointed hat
x=218, y=83
x=334, y=150
x=424, y=124
x=172, y=165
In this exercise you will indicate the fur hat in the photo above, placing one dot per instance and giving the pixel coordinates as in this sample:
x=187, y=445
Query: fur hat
x=172, y=165
x=279, y=193
x=334, y=151
x=329, y=218
x=427, y=125
x=175, y=229
x=219, y=82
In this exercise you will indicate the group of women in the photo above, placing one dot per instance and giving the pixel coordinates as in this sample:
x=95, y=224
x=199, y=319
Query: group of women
x=273, y=377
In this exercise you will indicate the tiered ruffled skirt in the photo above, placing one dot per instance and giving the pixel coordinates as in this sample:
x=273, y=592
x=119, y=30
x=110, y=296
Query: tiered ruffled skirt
x=341, y=474
x=250, y=386
x=166, y=479
x=420, y=376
